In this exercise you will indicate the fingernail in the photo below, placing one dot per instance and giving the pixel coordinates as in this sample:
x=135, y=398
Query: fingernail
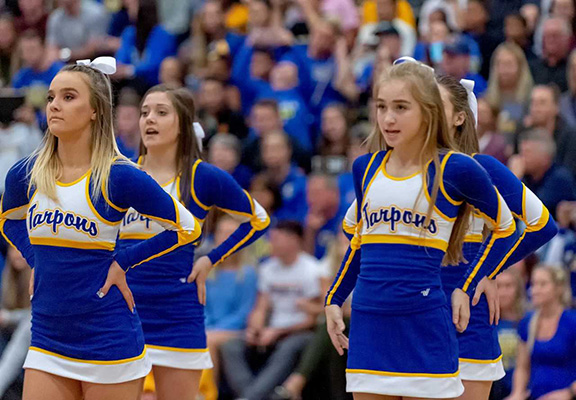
x=100, y=294
x=31, y=297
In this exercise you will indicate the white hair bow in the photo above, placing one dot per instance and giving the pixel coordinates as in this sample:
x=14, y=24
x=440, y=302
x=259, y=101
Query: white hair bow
x=106, y=65
x=407, y=59
x=199, y=132
x=472, y=101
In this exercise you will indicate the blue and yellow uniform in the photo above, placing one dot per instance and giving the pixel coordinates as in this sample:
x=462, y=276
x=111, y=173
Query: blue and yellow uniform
x=71, y=244
x=172, y=318
x=480, y=354
x=393, y=264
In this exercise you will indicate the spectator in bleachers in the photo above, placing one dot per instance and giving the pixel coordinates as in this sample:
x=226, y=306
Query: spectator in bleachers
x=123, y=18
x=276, y=158
x=278, y=322
x=535, y=166
x=490, y=140
x=546, y=363
x=322, y=221
x=456, y=60
x=143, y=47
x=356, y=148
x=172, y=72
x=512, y=296
x=37, y=69
x=544, y=114
x=561, y=249
x=8, y=53
x=429, y=49
x=224, y=152
x=231, y=292
x=215, y=111
x=475, y=28
x=333, y=142
x=563, y=9
x=568, y=99
x=510, y=85
x=437, y=11
x=516, y=31
x=265, y=119
x=33, y=17
x=76, y=29
x=14, y=317
x=551, y=67
x=127, y=118
x=388, y=12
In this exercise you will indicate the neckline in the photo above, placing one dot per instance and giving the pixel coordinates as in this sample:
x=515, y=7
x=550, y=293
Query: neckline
x=396, y=178
x=63, y=184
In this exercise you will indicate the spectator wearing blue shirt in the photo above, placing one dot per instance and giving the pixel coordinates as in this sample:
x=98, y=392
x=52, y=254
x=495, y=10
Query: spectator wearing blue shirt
x=126, y=121
x=224, y=151
x=37, y=71
x=534, y=165
x=144, y=46
x=323, y=221
x=456, y=61
x=231, y=292
x=546, y=363
x=276, y=154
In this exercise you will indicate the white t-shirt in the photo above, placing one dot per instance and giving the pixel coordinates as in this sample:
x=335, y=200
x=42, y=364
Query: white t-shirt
x=16, y=142
x=286, y=284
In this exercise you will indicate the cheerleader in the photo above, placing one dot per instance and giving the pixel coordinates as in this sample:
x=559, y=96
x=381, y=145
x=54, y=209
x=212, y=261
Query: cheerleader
x=410, y=218
x=480, y=354
x=62, y=209
x=171, y=310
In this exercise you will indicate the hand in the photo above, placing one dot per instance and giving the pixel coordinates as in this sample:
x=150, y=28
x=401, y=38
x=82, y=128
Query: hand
x=460, y=310
x=251, y=336
x=490, y=289
x=117, y=276
x=199, y=274
x=563, y=394
x=517, y=166
x=268, y=336
x=335, y=325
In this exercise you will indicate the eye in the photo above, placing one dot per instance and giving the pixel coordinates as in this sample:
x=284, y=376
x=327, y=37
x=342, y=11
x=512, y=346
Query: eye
x=143, y=113
x=162, y=112
x=380, y=106
x=68, y=97
x=49, y=98
x=401, y=107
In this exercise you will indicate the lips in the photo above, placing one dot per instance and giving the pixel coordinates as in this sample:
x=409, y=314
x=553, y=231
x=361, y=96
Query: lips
x=151, y=131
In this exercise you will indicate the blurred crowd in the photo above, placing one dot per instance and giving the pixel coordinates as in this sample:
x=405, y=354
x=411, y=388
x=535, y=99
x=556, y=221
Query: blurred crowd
x=283, y=91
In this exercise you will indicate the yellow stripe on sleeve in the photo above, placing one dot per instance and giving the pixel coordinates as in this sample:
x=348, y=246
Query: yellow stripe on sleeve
x=339, y=281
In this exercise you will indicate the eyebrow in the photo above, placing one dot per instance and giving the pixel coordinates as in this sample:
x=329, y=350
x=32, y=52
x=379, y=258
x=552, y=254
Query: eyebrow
x=394, y=101
x=66, y=89
x=157, y=105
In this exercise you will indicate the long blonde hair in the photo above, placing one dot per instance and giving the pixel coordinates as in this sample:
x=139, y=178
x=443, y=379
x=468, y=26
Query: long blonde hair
x=47, y=166
x=424, y=88
x=525, y=80
x=561, y=279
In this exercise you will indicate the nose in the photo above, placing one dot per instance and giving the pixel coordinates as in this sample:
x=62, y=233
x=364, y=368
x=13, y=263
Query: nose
x=54, y=105
x=389, y=119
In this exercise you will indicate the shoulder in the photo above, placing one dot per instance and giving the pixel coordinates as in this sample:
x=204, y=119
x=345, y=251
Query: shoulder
x=362, y=162
x=490, y=163
x=159, y=32
x=124, y=171
x=570, y=317
x=205, y=170
x=455, y=162
x=268, y=267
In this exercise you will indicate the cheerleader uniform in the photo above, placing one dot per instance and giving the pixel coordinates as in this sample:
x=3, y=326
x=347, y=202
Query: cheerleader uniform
x=172, y=318
x=480, y=354
x=402, y=339
x=71, y=245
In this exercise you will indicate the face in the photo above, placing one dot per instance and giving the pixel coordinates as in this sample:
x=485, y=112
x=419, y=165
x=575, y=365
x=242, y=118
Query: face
x=259, y=13
x=159, y=123
x=171, y=72
x=333, y=124
x=212, y=19
x=260, y=65
x=127, y=119
x=507, y=69
x=543, y=109
x=475, y=16
x=438, y=32
x=224, y=228
x=536, y=160
x=507, y=290
x=212, y=95
x=275, y=151
x=393, y=44
x=284, y=76
x=386, y=10
x=69, y=111
x=7, y=34
x=514, y=29
x=486, y=119
x=32, y=51
x=27, y=6
x=555, y=41
x=544, y=291
x=223, y=157
x=454, y=119
x=399, y=116
x=563, y=9
x=264, y=119
x=322, y=39
x=318, y=194
x=456, y=65
x=283, y=243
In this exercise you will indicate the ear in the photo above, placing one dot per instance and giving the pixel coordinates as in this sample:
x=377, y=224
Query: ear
x=459, y=118
x=93, y=117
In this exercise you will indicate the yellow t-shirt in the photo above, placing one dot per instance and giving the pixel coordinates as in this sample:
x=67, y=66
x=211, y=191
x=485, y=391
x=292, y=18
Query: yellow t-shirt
x=403, y=9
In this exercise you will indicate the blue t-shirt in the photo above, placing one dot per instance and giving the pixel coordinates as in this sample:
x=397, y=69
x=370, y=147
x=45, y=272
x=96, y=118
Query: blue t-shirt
x=230, y=296
x=27, y=77
x=293, y=193
x=553, y=362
